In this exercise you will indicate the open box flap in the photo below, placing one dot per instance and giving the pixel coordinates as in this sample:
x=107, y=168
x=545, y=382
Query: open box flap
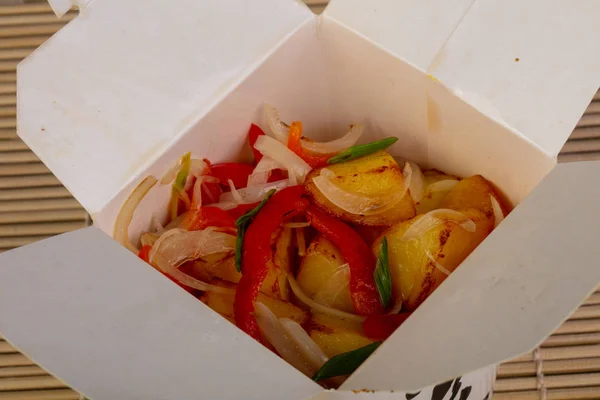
x=414, y=30
x=112, y=327
x=532, y=65
x=144, y=71
x=520, y=284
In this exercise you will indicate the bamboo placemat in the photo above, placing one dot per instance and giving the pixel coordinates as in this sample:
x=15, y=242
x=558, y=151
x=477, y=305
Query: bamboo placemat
x=34, y=205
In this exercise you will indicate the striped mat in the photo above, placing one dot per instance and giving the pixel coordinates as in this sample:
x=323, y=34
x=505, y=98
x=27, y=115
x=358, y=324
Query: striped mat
x=33, y=206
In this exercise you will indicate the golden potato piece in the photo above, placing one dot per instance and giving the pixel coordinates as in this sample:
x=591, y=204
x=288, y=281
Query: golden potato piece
x=433, y=195
x=223, y=304
x=324, y=276
x=335, y=336
x=474, y=192
x=374, y=175
x=276, y=283
x=419, y=266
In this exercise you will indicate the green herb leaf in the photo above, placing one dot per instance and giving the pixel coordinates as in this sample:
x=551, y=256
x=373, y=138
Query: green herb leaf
x=252, y=213
x=238, y=246
x=345, y=363
x=242, y=224
x=362, y=150
x=382, y=274
x=183, y=172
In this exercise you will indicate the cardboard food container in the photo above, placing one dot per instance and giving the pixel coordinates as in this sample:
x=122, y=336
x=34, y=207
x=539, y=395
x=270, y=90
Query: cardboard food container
x=491, y=87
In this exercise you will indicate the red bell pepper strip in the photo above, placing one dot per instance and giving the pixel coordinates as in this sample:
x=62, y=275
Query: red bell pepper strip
x=253, y=135
x=241, y=210
x=144, y=254
x=357, y=254
x=295, y=145
x=257, y=252
x=380, y=327
x=203, y=217
x=237, y=172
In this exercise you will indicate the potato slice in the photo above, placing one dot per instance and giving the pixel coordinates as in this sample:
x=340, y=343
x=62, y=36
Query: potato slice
x=414, y=274
x=335, y=336
x=474, y=192
x=374, y=175
x=323, y=276
x=223, y=304
x=276, y=283
x=432, y=199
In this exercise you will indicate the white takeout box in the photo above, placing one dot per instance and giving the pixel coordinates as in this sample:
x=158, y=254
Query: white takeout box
x=469, y=86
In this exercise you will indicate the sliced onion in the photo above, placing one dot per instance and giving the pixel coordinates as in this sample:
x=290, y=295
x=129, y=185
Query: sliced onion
x=498, y=213
x=432, y=219
x=356, y=203
x=177, y=246
x=194, y=283
x=276, y=334
x=417, y=181
x=277, y=128
x=171, y=174
x=337, y=145
x=304, y=298
x=309, y=349
x=197, y=193
x=297, y=168
x=249, y=195
x=225, y=205
x=262, y=171
x=237, y=197
x=296, y=224
x=442, y=186
x=437, y=265
x=337, y=283
x=397, y=307
x=301, y=242
x=156, y=225
x=148, y=239
x=121, y=232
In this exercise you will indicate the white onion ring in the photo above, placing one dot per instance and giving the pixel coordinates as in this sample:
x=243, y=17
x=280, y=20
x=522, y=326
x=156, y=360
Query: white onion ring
x=249, y=195
x=417, y=182
x=121, y=231
x=397, y=307
x=434, y=218
x=356, y=203
x=177, y=246
x=339, y=281
x=335, y=146
x=276, y=334
x=442, y=186
x=278, y=130
x=301, y=242
x=262, y=171
x=498, y=213
x=304, y=298
x=297, y=168
x=437, y=265
x=237, y=197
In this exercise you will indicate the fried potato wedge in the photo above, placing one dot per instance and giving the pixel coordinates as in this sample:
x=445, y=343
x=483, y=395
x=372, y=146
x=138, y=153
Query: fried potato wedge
x=474, y=192
x=335, y=336
x=324, y=276
x=276, y=283
x=374, y=175
x=434, y=194
x=223, y=304
x=420, y=265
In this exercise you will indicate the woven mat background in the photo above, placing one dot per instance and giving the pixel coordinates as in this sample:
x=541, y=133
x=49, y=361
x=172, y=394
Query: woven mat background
x=34, y=206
